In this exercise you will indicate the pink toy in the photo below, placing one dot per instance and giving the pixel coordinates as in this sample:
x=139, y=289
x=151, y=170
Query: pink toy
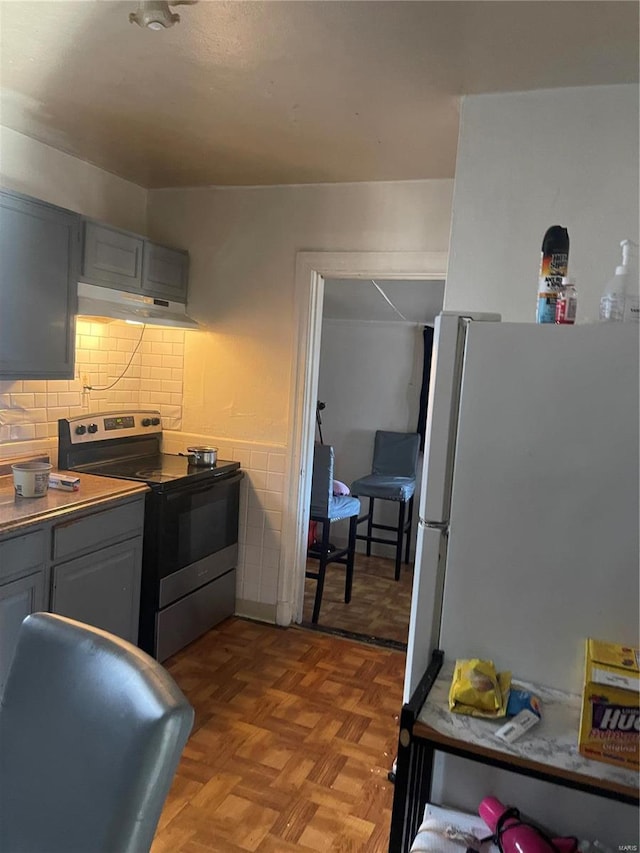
x=518, y=837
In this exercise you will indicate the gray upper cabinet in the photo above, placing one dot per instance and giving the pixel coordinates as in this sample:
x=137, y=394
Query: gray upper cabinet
x=39, y=266
x=126, y=261
x=111, y=257
x=165, y=272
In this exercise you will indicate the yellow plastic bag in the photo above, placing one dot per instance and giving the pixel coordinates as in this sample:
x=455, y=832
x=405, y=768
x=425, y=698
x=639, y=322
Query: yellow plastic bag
x=477, y=689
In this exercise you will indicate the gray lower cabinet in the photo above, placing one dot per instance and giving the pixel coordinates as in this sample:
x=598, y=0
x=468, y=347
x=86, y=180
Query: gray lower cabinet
x=165, y=272
x=23, y=588
x=102, y=589
x=39, y=265
x=88, y=568
x=111, y=257
x=97, y=566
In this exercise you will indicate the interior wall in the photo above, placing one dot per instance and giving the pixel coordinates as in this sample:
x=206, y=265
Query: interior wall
x=370, y=378
x=243, y=244
x=528, y=160
x=30, y=167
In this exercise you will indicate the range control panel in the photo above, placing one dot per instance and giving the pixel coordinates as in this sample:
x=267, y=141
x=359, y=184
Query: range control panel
x=106, y=425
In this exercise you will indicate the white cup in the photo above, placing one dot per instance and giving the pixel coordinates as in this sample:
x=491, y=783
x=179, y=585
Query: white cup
x=31, y=479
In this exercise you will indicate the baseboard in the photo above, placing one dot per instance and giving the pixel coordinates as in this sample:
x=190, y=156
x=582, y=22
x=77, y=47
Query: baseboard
x=256, y=610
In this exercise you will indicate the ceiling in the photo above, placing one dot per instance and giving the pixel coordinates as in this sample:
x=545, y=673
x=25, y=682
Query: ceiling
x=270, y=92
x=361, y=300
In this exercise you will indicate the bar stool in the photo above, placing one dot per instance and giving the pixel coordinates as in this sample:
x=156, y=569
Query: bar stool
x=392, y=478
x=325, y=508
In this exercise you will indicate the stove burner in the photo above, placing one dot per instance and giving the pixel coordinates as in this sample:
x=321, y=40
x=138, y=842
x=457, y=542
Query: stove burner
x=155, y=474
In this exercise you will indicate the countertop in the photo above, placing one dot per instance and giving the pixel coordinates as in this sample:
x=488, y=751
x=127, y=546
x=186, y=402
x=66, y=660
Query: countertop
x=17, y=513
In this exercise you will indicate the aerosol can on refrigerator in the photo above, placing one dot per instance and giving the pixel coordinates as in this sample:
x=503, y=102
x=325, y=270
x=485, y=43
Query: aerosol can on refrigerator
x=554, y=261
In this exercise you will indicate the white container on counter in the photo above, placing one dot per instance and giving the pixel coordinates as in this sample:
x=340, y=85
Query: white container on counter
x=31, y=479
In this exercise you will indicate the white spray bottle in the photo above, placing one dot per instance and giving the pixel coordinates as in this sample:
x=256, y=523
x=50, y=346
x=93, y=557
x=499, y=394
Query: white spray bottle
x=621, y=300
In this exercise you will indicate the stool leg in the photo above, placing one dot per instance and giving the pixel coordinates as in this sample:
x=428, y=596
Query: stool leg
x=409, y=520
x=399, y=541
x=322, y=569
x=351, y=554
x=369, y=526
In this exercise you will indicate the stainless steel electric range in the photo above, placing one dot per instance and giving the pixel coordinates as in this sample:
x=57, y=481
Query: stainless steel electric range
x=190, y=547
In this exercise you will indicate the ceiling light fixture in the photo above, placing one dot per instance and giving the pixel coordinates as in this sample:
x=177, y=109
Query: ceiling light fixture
x=156, y=15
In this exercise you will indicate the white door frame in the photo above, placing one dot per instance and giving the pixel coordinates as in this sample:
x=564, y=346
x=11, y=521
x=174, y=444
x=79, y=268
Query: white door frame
x=311, y=270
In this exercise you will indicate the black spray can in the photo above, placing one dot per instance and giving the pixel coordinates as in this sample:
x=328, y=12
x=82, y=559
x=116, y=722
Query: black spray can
x=553, y=266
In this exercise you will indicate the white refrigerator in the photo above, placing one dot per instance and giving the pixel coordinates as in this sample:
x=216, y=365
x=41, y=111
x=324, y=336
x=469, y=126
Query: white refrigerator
x=528, y=519
x=528, y=525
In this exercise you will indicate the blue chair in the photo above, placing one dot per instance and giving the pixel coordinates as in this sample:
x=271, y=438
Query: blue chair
x=325, y=508
x=92, y=730
x=392, y=478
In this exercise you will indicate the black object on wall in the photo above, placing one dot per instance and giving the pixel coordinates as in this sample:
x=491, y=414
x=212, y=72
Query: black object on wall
x=427, y=337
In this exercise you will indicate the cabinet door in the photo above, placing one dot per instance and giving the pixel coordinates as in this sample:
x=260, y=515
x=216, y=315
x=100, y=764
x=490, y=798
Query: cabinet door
x=111, y=257
x=39, y=265
x=102, y=589
x=18, y=599
x=165, y=272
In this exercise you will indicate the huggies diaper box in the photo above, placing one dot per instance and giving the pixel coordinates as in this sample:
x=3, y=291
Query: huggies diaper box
x=610, y=719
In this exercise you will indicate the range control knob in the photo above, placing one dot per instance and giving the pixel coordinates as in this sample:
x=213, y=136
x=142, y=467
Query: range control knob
x=93, y=428
x=146, y=422
x=155, y=421
x=81, y=429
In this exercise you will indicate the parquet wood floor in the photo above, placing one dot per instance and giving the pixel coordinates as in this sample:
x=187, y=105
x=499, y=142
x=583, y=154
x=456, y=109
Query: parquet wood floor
x=294, y=734
x=379, y=606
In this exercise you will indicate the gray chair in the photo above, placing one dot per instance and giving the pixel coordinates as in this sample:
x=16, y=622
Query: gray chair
x=326, y=508
x=392, y=478
x=91, y=733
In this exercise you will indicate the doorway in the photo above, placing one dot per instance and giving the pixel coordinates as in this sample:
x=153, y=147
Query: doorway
x=312, y=268
x=370, y=377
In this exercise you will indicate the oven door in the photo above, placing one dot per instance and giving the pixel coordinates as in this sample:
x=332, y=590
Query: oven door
x=195, y=521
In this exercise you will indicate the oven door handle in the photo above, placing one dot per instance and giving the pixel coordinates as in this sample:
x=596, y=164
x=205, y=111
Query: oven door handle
x=227, y=481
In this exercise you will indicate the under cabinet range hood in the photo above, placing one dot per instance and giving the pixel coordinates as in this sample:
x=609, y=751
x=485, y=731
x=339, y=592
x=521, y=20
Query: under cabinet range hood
x=104, y=302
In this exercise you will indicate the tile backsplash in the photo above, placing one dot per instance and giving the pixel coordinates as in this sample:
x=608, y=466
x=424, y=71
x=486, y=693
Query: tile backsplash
x=152, y=360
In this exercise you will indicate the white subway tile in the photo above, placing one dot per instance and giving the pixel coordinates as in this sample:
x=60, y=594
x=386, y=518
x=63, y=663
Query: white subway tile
x=242, y=455
x=273, y=519
x=275, y=482
x=21, y=432
x=172, y=361
x=252, y=555
x=161, y=373
x=38, y=416
x=176, y=374
x=152, y=360
x=162, y=348
x=277, y=462
x=270, y=557
x=89, y=342
x=178, y=349
x=172, y=386
x=70, y=398
x=32, y=385
x=176, y=399
x=42, y=430
x=23, y=401
x=253, y=536
x=258, y=479
x=272, y=539
x=255, y=518
x=176, y=336
x=259, y=460
x=272, y=500
x=251, y=588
